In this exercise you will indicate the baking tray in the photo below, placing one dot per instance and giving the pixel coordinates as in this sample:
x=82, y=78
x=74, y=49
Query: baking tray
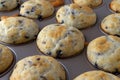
x=75, y=65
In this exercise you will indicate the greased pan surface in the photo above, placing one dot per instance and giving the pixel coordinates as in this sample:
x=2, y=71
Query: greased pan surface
x=75, y=65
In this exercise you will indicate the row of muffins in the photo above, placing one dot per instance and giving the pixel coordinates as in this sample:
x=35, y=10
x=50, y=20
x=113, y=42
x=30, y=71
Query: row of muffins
x=46, y=68
x=6, y=6
x=74, y=32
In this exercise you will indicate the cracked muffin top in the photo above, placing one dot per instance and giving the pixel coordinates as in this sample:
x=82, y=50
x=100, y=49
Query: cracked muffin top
x=104, y=53
x=36, y=9
x=60, y=41
x=111, y=24
x=16, y=30
x=77, y=16
x=38, y=67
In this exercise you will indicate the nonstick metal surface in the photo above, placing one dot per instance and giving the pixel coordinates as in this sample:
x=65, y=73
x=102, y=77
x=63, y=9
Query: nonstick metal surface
x=75, y=65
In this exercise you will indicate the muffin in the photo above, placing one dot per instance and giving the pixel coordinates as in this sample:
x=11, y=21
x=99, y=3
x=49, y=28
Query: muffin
x=15, y=30
x=60, y=41
x=114, y=6
x=110, y=24
x=89, y=3
x=97, y=75
x=104, y=53
x=6, y=58
x=38, y=68
x=5, y=5
x=36, y=9
x=76, y=16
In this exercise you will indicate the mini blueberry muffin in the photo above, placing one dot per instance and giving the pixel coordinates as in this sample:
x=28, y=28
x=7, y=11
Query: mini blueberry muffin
x=97, y=75
x=60, y=41
x=6, y=58
x=114, y=5
x=15, y=30
x=37, y=9
x=89, y=3
x=111, y=24
x=5, y=5
x=76, y=16
x=104, y=53
x=38, y=68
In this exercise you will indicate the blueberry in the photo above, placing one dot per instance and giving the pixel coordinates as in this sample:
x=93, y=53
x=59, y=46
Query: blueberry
x=96, y=65
x=58, y=15
x=22, y=6
x=69, y=32
x=27, y=12
x=62, y=22
x=25, y=64
x=35, y=36
x=72, y=31
x=57, y=25
x=116, y=72
x=27, y=37
x=80, y=6
x=43, y=42
x=82, y=20
x=30, y=63
x=61, y=45
x=20, y=21
x=4, y=5
x=18, y=5
x=99, y=54
x=59, y=53
x=117, y=11
x=72, y=13
x=43, y=77
x=49, y=53
x=38, y=59
x=106, y=27
x=40, y=17
x=3, y=2
x=33, y=9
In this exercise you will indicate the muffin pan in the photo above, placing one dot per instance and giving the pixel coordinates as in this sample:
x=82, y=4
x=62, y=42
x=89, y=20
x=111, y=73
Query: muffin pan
x=74, y=65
